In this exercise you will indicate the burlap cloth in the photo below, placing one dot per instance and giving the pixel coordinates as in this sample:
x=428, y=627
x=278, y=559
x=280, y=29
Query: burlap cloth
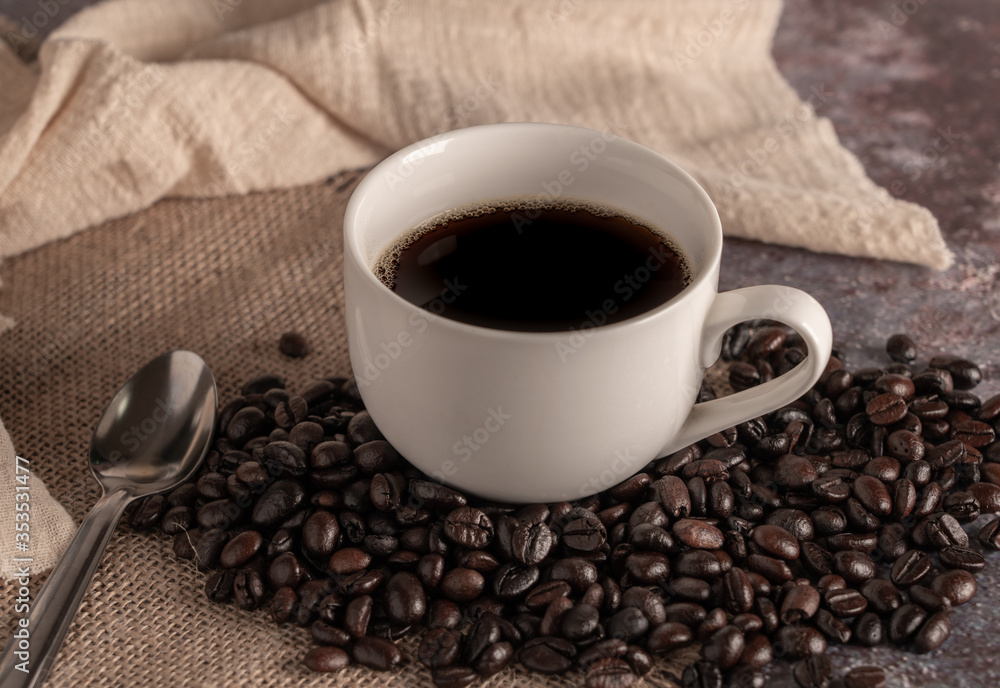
x=90, y=310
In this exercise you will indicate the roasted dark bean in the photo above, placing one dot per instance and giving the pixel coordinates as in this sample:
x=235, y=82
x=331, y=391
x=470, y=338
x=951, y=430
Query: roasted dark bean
x=724, y=647
x=531, y=542
x=957, y=585
x=439, y=648
x=376, y=653
x=865, y=677
x=547, y=655
x=799, y=642
x=868, y=629
x=901, y=348
x=813, y=672
x=845, y=602
x=469, y=527
x=933, y=633
x=905, y=622
x=669, y=636
x=326, y=659
x=240, y=549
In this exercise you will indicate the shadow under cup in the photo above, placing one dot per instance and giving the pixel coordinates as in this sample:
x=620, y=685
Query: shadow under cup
x=527, y=416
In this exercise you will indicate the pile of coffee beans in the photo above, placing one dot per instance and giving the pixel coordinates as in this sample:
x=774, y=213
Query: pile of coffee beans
x=836, y=519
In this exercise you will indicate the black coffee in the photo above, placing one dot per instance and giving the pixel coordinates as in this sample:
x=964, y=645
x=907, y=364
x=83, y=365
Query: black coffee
x=539, y=270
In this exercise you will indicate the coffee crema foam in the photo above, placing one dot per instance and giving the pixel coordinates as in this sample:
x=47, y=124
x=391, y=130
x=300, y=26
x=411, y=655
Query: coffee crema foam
x=387, y=261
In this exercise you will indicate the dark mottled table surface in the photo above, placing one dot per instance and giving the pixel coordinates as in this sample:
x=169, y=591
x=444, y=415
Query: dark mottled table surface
x=915, y=90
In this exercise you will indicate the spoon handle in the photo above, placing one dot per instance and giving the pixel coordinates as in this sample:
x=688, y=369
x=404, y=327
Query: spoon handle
x=53, y=610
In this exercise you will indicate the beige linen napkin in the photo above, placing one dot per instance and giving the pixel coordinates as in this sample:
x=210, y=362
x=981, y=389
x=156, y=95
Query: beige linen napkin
x=132, y=101
x=36, y=529
x=135, y=100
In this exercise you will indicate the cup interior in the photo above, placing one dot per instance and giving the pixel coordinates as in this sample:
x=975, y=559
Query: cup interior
x=536, y=162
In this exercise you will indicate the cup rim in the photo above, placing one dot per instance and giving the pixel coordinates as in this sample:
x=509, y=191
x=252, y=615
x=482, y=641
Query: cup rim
x=357, y=201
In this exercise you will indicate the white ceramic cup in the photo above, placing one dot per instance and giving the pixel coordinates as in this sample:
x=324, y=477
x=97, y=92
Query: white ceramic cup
x=550, y=416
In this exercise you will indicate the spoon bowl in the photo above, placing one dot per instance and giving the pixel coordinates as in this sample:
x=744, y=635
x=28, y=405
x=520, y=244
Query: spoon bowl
x=152, y=437
x=157, y=428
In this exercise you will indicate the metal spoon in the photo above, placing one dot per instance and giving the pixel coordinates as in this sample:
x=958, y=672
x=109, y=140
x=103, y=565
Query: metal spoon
x=152, y=437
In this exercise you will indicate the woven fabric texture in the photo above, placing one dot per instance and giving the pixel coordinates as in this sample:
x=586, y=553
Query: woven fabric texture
x=91, y=310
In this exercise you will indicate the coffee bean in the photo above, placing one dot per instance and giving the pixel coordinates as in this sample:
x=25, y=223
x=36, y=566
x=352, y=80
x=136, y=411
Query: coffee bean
x=933, y=381
x=800, y=603
x=669, y=636
x=349, y=560
x=439, y=648
x=376, y=653
x=883, y=597
x=531, y=542
x=547, y=655
x=578, y=572
x=868, y=629
x=512, y=580
x=865, y=677
x=627, y=624
x=799, y=642
x=813, y=672
x=957, y=585
x=208, y=547
x=794, y=472
x=609, y=672
x=743, y=376
x=776, y=541
x=329, y=454
x=405, y=599
x=462, y=585
x=965, y=374
x=327, y=659
x=357, y=615
x=584, y=534
x=494, y=658
x=278, y=502
x=375, y=456
x=938, y=531
x=580, y=622
x=989, y=535
x=648, y=568
x=320, y=534
x=845, y=602
x=219, y=586
x=905, y=622
x=702, y=674
x=443, y=614
x=736, y=591
x=246, y=423
x=326, y=634
x=248, y=589
x=901, y=348
x=832, y=627
x=698, y=534
x=456, y=676
x=962, y=558
x=987, y=496
x=933, y=633
x=649, y=537
x=469, y=527
x=886, y=409
x=240, y=549
x=283, y=604
x=603, y=649
x=973, y=433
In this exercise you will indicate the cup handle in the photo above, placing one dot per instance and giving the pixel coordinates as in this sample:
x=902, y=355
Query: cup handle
x=792, y=307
